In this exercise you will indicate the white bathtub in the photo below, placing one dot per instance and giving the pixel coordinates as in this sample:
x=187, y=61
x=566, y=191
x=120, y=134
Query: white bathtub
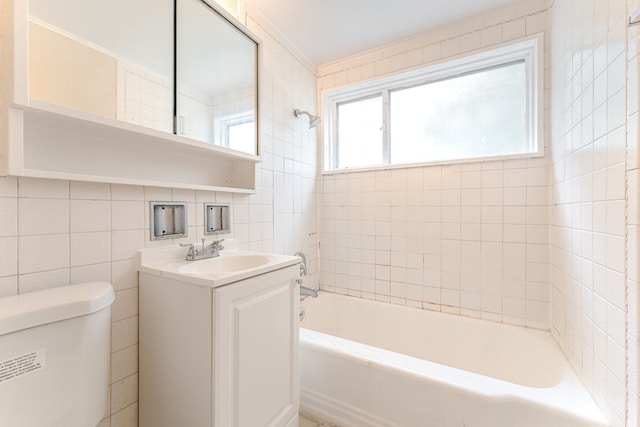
x=364, y=363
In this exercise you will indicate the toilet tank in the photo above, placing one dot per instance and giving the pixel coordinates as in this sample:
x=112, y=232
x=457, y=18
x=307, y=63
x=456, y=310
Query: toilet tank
x=54, y=356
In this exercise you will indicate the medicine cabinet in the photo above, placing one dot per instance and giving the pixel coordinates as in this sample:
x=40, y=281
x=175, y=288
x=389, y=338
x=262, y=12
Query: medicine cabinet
x=151, y=92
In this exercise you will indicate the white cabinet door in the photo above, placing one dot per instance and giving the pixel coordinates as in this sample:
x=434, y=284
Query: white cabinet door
x=256, y=368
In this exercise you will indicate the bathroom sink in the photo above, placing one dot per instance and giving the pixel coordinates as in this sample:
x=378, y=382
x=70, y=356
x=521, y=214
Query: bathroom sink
x=231, y=266
x=225, y=264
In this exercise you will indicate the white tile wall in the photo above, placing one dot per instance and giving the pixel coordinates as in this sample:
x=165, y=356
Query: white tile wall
x=633, y=219
x=466, y=238
x=594, y=122
x=55, y=232
x=287, y=220
x=143, y=97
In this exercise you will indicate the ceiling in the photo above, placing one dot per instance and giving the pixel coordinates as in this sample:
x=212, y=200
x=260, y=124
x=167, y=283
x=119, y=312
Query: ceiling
x=326, y=30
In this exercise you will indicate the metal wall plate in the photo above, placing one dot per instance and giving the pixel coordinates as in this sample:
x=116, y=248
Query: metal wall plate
x=216, y=218
x=167, y=220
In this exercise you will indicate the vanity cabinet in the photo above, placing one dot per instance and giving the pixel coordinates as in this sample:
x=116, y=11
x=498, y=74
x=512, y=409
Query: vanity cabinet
x=90, y=92
x=225, y=356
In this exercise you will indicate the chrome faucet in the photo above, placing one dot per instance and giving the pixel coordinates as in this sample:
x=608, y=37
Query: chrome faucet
x=304, y=291
x=209, y=251
x=303, y=264
x=308, y=292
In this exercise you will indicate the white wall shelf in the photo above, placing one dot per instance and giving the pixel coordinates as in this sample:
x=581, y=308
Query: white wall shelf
x=55, y=142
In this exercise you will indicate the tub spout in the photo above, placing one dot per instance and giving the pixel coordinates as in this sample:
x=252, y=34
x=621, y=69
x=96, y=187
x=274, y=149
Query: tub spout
x=308, y=292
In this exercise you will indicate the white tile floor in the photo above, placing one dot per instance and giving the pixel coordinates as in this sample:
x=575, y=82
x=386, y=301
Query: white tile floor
x=308, y=420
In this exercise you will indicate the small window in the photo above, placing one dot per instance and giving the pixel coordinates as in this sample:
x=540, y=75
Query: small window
x=237, y=131
x=482, y=106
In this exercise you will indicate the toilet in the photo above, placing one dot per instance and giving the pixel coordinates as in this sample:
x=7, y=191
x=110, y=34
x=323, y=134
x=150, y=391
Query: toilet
x=54, y=356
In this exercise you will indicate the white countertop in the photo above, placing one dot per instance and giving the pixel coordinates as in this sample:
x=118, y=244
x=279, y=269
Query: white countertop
x=169, y=261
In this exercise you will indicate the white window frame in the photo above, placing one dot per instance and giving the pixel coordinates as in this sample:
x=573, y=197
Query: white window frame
x=223, y=124
x=529, y=49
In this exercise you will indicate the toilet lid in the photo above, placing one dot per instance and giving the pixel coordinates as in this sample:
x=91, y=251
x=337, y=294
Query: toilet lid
x=32, y=309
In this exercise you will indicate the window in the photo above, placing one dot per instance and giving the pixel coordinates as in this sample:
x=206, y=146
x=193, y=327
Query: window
x=237, y=131
x=482, y=106
x=359, y=123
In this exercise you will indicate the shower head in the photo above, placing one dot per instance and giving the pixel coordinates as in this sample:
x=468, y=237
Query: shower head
x=313, y=120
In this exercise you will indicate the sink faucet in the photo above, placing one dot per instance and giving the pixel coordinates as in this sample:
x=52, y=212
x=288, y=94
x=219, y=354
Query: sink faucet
x=209, y=251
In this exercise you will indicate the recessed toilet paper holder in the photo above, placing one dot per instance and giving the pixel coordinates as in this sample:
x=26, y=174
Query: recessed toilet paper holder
x=168, y=220
x=216, y=218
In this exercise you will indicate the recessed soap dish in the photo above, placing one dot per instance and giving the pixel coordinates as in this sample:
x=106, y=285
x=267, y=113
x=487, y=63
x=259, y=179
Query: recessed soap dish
x=216, y=218
x=168, y=220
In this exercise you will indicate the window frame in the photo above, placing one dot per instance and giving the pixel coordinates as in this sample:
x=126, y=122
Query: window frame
x=529, y=49
x=223, y=124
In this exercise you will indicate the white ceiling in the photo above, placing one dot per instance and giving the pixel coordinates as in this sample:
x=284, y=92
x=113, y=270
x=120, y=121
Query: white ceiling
x=327, y=30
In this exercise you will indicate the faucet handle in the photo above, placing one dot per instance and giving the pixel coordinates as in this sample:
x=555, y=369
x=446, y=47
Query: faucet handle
x=219, y=244
x=192, y=248
x=303, y=264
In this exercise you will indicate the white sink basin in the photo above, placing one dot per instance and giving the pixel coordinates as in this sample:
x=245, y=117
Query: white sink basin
x=232, y=265
x=225, y=264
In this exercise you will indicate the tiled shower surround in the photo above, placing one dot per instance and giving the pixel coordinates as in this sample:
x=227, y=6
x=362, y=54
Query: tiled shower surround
x=468, y=238
x=594, y=198
x=549, y=242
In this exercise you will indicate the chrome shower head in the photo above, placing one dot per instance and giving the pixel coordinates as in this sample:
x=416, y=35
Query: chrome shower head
x=313, y=119
x=314, y=122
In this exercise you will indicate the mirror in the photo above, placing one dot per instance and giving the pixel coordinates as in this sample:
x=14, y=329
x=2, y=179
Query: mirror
x=116, y=59
x=216, y=75
x=113, y=59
